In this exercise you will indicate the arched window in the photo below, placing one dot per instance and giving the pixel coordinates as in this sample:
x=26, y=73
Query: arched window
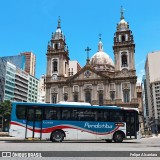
x=126, y=96
x=123, y=38
x=54, y=98
x=75, y=97
x=88, y=96
x=124, y=60
x=112, y=95
x=56, y=46
x=100, y=99
x=65, y=97
x=55, y=64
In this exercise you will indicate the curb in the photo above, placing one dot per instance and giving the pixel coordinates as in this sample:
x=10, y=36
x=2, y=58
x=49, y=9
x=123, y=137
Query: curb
x=4, y=134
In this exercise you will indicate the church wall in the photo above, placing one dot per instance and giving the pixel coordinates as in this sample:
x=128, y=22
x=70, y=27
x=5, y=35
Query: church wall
x=93, y=92
x=48, y=66
x=80, y=93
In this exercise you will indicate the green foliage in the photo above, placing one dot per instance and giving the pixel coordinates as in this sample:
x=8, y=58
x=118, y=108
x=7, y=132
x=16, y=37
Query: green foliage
x=5, y=108
x=5, y=112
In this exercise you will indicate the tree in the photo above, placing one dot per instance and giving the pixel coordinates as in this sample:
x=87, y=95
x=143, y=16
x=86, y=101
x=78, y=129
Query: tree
x=5, y=112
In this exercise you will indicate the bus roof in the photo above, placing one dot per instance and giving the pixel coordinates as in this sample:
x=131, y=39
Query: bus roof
x=73, y=104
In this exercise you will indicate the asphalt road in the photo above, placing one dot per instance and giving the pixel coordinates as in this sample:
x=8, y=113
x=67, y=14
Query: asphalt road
x=79, y=149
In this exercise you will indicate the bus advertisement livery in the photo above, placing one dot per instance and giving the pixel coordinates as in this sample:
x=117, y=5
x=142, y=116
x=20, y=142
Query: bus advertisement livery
x=73, y=121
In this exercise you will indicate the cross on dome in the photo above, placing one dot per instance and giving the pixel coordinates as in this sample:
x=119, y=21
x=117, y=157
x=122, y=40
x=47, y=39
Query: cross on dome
x=100, y=44
x=122, y=12
x=59, y=23
x=87, y=50
x=100, y=36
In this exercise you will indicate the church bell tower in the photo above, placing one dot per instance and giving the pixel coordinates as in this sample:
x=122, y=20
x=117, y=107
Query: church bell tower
x=57, y=56
x=125, y=73
x=124, y=47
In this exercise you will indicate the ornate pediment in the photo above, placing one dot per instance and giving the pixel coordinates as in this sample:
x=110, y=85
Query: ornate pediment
x=88, y=73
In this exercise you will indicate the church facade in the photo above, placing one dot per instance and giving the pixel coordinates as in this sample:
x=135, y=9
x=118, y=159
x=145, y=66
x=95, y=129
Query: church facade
x=101, y=81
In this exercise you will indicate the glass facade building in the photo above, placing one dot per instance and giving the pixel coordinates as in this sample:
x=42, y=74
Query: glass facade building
x=18, y=60
x=10, y=81
x=16, y=84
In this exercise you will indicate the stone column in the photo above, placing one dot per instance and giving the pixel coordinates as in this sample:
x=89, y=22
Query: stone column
x=48, y=95
x=94, y=92
x=119, y=90
x=60, y=94
x=70, y=93
x=106, y=90
x=133, y=89
x=49, y=65
x=81, y=93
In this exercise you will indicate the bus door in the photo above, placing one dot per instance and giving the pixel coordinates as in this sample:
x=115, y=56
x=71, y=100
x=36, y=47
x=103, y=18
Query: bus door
x=131, y=124
x=34, y=123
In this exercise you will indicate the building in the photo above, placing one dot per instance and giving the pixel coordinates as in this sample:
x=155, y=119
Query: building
x=25, y=61
x=21, y=85
x=16, y=84
x=100, y=81
x=32, y=95
x=17, y=60
x=140, y=107
x=74, y=67
x=41, y=89
x=145, y=104
x=30, y=62
x=7, y=80
x=153, y=89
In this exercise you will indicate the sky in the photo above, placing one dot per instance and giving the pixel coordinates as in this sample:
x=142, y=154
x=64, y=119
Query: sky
x=28, y=26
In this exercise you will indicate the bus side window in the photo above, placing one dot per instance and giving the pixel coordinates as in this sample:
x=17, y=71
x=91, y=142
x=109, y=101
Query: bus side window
x=58, y=113
x=106, y=115
x=99, y=115
x=30, y=115
x=50, y=113
x=74, y=114
x=66, y=115
x=21, y=112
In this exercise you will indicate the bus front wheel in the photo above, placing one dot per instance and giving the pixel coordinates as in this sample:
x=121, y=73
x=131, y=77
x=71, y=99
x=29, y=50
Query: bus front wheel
x=118, y=137
x=57, y=136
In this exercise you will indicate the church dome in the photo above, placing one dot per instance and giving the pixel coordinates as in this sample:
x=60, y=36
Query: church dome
x=122, y=25
x=101, y=58
x=58, y=34
x=123, y=22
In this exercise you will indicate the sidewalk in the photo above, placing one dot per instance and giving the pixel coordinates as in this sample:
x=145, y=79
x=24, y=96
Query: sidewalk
x=4, y=136
x=9, y=138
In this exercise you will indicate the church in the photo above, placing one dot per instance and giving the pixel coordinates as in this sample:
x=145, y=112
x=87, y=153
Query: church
x=101, y=81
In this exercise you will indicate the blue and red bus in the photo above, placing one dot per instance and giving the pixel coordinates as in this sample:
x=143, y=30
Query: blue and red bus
x=73, y=121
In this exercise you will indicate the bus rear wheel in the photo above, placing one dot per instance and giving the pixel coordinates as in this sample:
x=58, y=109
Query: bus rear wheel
x=118, y=137
x=57, y=136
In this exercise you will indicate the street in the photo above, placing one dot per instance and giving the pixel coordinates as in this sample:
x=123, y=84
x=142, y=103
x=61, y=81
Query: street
x=145, y=144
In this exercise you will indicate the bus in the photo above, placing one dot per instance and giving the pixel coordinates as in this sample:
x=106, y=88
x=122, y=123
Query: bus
x=73, y=121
